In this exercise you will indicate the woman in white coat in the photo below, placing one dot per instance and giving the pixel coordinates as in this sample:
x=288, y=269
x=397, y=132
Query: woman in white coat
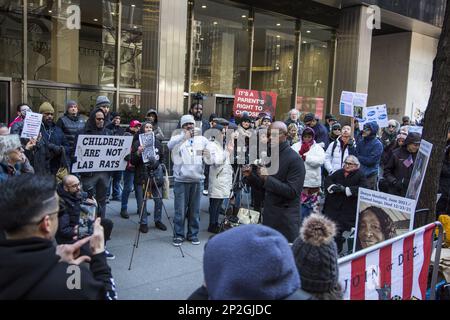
x=339, y=150
x=220, y=176
x=314, y=157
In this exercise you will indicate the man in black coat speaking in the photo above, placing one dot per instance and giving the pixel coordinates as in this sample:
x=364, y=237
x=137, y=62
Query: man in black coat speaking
x=282, y=189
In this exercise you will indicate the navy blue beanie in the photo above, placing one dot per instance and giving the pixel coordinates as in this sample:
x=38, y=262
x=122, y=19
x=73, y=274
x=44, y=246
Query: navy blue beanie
x=250, y=262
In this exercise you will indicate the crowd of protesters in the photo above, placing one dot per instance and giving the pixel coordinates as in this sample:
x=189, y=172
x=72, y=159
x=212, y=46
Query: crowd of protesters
x=310, y=201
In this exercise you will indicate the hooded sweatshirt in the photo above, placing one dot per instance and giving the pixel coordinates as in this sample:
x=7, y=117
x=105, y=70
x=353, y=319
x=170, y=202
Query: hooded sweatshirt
x=187, y=157
x=31, y=270
x=158, y=132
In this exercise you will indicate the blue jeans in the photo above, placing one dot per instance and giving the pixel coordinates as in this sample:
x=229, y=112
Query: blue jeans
x=215, y=205
x=187, y=194
x=128, y=179
x=116, y=177
x=139, y=191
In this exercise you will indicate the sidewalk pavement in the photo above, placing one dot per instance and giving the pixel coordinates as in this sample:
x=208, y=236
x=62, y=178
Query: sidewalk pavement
x=158, y=271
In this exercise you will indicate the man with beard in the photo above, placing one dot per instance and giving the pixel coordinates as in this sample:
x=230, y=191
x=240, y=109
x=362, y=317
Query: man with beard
x=48, y=154
x=71, y=124
x=196, y=111
x=70, y=200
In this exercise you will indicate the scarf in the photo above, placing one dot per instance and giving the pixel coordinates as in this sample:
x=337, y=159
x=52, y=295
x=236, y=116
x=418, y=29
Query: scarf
x=305, y=148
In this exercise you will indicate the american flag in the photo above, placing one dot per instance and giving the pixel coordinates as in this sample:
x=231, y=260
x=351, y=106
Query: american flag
x=408, y=162
x=398, y=270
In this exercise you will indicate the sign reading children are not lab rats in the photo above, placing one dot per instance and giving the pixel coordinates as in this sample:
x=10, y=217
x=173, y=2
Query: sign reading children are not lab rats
x=101, y=153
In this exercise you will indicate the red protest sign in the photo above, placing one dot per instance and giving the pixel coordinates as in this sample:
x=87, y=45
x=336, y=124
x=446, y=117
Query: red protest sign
x=254, y=102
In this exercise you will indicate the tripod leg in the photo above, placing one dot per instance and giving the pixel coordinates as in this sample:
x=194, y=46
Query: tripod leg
x=136, y=240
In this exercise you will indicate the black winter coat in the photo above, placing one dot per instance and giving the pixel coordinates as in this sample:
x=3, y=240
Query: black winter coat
x=140, y=171
x=282, y=193
x=31, y=270
x=116, y=130
x=340, y=207
x=396, y=173
x=68, y=216
x=57, y=144
x=71, y=126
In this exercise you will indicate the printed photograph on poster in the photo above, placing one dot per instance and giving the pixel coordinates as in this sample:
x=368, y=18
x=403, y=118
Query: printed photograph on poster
x=350, y=100
x=358, y=112
x=147, y=140
x=419, y=170
x=254, y=102
x=381, y=216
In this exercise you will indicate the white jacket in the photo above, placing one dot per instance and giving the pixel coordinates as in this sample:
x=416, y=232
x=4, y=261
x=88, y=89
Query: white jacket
x=314, y=159
x=220, y=172
x=335, y=161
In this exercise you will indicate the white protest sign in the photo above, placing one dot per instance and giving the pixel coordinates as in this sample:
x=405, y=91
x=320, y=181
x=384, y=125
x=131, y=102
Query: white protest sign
x=417, y=129
x=147, y=140
x=375, y=113
x=381, y=216
x=352, y=104
x=418, y=173
x=101, y=153
x=31, y=125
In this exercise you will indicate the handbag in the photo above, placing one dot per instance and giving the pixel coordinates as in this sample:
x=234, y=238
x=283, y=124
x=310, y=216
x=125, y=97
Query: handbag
x=63, y=168
x=166, y=185
x=247, y=216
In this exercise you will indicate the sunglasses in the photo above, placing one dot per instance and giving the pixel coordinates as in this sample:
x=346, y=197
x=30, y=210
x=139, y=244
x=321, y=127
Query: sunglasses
x=391, y=126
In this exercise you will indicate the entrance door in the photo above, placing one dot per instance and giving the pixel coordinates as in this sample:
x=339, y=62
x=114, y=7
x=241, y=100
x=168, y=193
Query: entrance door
x=4, y=101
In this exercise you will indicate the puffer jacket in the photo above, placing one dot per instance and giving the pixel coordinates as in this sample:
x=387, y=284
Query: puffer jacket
x=397, y=172
x=314, y=159
x=71, y=126
x=334, y=159
x=220, y=172
x=369, y=150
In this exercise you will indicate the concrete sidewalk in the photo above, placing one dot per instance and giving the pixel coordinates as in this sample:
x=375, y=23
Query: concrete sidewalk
x=158, y=270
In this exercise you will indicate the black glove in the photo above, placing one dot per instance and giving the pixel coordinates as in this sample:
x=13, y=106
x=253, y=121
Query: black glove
x=338, y=188
x=351, y=143
x=57, y=150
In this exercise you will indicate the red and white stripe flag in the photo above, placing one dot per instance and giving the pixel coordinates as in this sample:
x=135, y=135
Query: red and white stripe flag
x=398, y=270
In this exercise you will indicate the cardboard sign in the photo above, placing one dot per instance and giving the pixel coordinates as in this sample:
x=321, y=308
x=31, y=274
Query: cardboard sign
x=418, y=173
x=352, y=104
x=101, y=153
x=254, y=102
x=375, y=113
x=381, y=216
x=31, y=125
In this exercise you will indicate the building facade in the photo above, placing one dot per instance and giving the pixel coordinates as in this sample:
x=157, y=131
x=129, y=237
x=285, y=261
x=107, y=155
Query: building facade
x=146, y=54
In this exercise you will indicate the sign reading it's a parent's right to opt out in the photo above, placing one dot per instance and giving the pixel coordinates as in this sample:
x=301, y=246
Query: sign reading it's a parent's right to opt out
x=101, y=153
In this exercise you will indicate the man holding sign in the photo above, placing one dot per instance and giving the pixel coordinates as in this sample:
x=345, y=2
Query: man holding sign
x=93, y=182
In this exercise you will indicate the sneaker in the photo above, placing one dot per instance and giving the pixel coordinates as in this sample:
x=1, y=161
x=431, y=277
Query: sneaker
x=109, y=255
x=177, y=241
x=143, y=228
x=194, y=240
x=124, y=214
x=160, y=226
x=205, y=192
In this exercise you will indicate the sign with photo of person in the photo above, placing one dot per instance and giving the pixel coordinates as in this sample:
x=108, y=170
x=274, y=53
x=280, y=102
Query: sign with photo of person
x=147, y=141
x=352, y=104
x=381, y=216
x=254, y=102
x=420, y=167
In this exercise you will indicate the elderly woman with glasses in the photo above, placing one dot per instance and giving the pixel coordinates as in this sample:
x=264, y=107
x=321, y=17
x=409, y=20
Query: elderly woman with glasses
x=342, y=196
x=12, y=159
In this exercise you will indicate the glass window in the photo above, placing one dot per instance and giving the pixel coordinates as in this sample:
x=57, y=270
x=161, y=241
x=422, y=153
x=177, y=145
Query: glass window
x=131, y=44
x=56, y=97
x=314, y=69
x=273, y=58
x=86, y=99
x=11, y=38
x=220, y=47
x=129, y=107
x=59, y=50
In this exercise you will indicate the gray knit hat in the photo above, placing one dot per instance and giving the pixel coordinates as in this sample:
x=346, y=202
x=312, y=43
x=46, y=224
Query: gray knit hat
x=7, y=144
x=102, y=101
x=316, y=255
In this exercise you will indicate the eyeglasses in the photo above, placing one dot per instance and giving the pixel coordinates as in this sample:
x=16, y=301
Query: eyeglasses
x=391, y=126
x=100, y=119
x=337, y=129
x=350, y=163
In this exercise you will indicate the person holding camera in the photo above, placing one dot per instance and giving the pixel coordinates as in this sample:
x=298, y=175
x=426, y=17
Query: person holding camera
x=341, y=197
x=32, y=267
x=282, y=189
x=188, y=148
x=72, y=201
x=145, y=171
